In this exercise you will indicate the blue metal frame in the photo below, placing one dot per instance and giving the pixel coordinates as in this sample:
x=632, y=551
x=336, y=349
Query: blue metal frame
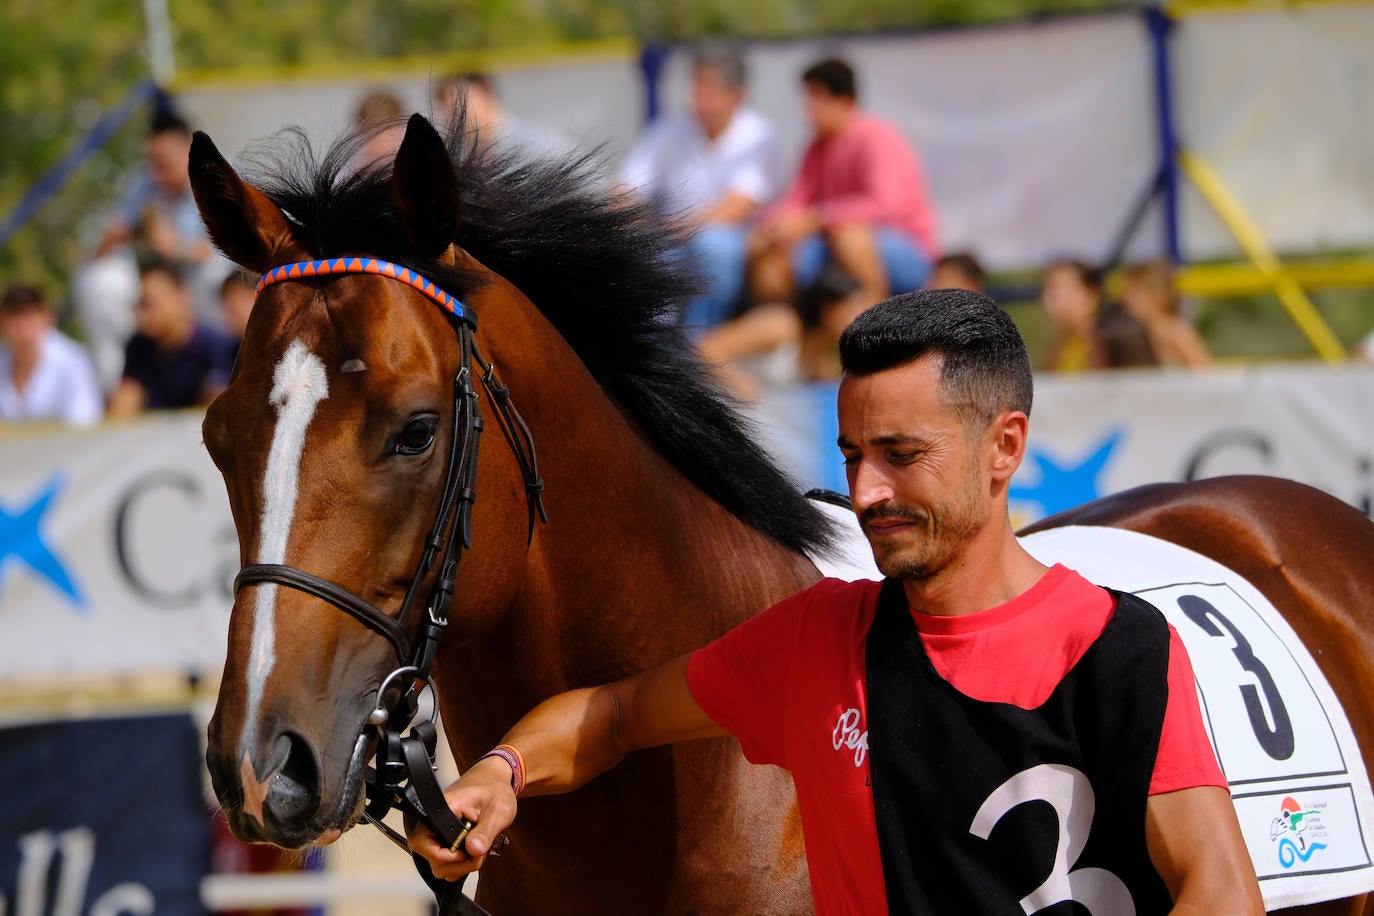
x=52, y=180
x=1160, y=26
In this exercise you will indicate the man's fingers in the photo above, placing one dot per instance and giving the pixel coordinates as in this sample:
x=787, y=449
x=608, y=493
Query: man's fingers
x=495, y=818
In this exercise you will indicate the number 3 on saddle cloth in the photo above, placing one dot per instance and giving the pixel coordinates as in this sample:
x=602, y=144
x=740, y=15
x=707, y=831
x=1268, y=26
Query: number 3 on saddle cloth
x=1297, y=778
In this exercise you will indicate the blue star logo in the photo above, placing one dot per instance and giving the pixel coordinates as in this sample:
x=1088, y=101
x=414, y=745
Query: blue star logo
x=20, y=539
x=1065, y=484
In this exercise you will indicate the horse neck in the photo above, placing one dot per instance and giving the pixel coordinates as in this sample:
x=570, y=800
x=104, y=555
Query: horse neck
x=636, y=565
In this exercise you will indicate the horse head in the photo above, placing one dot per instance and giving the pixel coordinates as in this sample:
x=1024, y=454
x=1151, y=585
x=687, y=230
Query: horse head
x=339, y=437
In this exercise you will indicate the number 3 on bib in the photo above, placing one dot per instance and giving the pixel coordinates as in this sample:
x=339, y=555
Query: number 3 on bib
x=1071, y=795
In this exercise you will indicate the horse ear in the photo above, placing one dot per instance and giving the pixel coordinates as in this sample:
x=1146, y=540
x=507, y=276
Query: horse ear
x=241, y=220
x=425, y=189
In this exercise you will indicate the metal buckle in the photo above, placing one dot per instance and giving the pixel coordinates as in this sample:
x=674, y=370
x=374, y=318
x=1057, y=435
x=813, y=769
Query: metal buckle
x=380, y=715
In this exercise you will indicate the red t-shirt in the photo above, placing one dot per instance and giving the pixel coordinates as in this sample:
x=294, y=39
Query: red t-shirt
x=790, y=684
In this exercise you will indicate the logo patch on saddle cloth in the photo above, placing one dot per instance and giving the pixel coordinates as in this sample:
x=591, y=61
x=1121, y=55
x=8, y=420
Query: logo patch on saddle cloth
x=1297, y=779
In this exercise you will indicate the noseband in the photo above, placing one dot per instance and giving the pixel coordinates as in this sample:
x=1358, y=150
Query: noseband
x=450, y=535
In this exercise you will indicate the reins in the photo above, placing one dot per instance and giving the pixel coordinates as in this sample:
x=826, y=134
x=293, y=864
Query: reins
x=404, y=776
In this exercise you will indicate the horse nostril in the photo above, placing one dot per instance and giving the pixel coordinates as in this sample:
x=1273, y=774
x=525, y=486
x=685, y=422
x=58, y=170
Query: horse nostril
x=295, y=791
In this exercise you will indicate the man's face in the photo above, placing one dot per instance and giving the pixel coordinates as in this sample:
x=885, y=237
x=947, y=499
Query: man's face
x=1068, y=301
x=169, y=157
x=713, y=102
x=237, y=304
x=916, y=475
x=24, y=330
x=827, y=113
x=162, y=305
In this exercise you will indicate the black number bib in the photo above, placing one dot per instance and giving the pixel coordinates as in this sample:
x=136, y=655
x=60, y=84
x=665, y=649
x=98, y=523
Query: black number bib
x=989, y=808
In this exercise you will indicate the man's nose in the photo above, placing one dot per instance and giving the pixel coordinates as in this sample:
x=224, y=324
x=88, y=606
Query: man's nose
x=868, y=486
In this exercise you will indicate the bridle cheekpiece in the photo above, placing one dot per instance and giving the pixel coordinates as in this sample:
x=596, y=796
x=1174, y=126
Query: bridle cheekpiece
x=401, y=758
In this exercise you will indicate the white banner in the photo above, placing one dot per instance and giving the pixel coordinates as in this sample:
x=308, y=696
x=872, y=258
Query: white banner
x=1278, y=103
x=117, y=551
x=117, y=548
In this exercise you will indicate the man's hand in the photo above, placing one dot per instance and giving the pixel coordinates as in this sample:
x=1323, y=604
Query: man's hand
x=791, y=226
x=566, y=741
x=484, y=796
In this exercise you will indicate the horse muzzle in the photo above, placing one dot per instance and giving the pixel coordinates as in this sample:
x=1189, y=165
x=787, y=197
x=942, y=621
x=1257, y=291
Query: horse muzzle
x=283, y=796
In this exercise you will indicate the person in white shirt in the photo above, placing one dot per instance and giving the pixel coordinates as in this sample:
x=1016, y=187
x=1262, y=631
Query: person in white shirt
x=474, y=94
x=712, y=166
x=44, y=375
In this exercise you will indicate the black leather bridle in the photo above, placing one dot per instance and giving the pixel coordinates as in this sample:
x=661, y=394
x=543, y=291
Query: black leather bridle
x=404, y=776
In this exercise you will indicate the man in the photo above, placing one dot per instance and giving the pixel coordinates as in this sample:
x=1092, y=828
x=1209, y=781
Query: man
x=475, y=94
x=173, y=360
x=859, y=200
x=959, y=270
x=44, y=374
x=918, y=714
x=710, y=167
x=158, y=218
x=858, y=204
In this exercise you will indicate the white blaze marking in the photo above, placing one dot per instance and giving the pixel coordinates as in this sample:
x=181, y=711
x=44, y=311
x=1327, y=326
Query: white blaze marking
x=298, y=386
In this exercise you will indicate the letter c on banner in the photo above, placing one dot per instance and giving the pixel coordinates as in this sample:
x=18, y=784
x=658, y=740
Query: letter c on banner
x=1231, y=438
x=174, y=480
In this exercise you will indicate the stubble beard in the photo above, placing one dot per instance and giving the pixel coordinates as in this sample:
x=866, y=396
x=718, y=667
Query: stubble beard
x=942, y=536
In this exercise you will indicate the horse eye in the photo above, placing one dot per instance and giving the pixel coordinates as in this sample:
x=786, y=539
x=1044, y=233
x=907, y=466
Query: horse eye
x=416, y=436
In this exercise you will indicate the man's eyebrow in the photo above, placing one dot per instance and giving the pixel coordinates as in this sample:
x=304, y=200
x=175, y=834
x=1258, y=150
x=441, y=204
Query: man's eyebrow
x=886, y=439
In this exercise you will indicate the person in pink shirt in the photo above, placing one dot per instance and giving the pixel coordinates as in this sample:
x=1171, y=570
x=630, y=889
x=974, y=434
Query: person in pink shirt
x=859, y=200
x=858, y=206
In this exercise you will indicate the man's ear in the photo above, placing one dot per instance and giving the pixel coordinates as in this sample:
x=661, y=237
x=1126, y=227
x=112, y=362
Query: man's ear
x=1006, y=443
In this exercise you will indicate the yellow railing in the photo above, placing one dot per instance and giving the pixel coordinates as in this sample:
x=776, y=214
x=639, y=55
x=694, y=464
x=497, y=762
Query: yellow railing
x=1266, y=263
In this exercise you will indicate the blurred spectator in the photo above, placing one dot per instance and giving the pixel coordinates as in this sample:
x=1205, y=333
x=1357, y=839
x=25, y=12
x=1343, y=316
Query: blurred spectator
x=159, y=218
x=781, y=343
x=44, y=375
x=1071, y=296
x=859, y=201
x=960, y=270
x=237, y=294
x=1122, y=340
x=1149, y=296
x=379, y=113
x=173, y=360
x=474, y=94
x=711, y=168
x=1364, y=350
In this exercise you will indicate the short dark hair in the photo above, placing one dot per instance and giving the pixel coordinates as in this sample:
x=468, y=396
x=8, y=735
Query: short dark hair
x=1090, y=276
x=160, y=264
x=238, y=277
x=168, y=122
x=20, y=298
x=459, y=82
x=966, y=264
x=985, y=369
x=833, y=75
x=727, y=63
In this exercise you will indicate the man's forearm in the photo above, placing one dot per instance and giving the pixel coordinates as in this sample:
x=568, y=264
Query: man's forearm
x=568, y=740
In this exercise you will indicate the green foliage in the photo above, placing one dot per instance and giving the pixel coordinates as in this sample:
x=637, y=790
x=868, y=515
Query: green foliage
x=61, y=68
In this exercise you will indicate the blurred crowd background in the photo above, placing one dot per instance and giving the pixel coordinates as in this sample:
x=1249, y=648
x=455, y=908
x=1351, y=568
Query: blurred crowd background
x=1181, y=192
x=812, y=184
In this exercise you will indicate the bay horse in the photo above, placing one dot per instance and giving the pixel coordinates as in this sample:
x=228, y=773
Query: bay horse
x=352, y=402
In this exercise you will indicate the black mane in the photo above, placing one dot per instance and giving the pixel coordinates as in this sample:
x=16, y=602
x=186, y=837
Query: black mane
x=600, y=268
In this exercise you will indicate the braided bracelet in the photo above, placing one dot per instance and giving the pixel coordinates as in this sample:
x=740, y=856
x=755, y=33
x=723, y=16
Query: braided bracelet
x=514, y=758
